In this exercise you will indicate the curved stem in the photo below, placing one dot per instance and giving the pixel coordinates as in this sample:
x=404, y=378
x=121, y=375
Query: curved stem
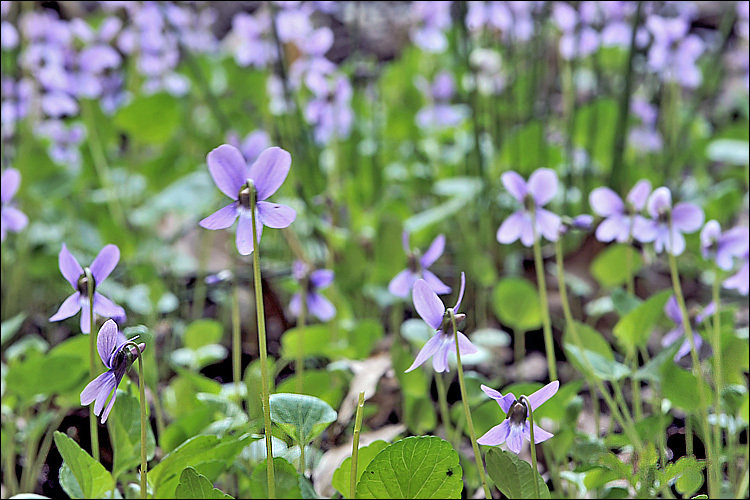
x=93, y=427
x=355, y=444
x=549, y=345
x=300, y=364
x=260, y=313
x=718, y=375
x=534, y=470
x=467, y=412
x=443, y=403
x=236, y=337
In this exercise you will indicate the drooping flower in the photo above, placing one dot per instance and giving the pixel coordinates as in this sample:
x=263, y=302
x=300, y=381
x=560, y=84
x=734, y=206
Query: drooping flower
x=621, y=220
x=316, y=303
x=404, y=281
x=11, y=219
x=515, y=428
x=102, y=266
x=433, y=312
x=683, y=218
x=723, y=247
x=238, y=180
x=672, y=310
x=534, y=194
x=111, y=346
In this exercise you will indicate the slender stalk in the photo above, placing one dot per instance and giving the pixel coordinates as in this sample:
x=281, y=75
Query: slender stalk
x=635, y=388
x=260, y=313
x=300, y=364
x=688, y=434
x=629, y=263
x=718, y=375
x=443, y=403
x=302, y=464
x=10, y=477
x=534, y=470
x=41, y=457
x=236, y=336
x=92, y=362
x=144, y=424
x=620, y=398
x=199, y=292
x=549, y=345
x=355, y=444
x=467, y=412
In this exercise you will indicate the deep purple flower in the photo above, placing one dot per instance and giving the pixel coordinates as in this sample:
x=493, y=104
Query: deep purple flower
x=236, y=179
x=741, y=280
x=684, y=218
x=433, y=312
x=315, y=280
x=11, y=219
x=115, y=356
x=515, y=428
x=403, y=282
x=539, y=191
x=672, y=310
x=621, y=220
x=723, y=247
x=102, y=266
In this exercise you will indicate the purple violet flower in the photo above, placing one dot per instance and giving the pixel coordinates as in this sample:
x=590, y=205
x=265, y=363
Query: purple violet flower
x=103, y=265
x=111, y=346
x=11, y=219
x=672, y=310
x=533, y=195
x=515, y=428
x=723, y=247
x=582, y=222
x=317, y=304
x=252, y=145
x=433, y=312
x=683, y=217
x=621, y=220
x=235, y=178
x=403, y=282
x=741, y=280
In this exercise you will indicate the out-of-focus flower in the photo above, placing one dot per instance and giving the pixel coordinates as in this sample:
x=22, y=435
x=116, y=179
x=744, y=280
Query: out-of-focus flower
x=439, y=113
x=238, y=180
x=515, y=428
x=578, y=38
x=683, y=218
x=11, y=219
x=645, y=137
x=582, y=222
x=621, y=220
x=432, y=20
x=314, y=281
x=672, y=310
x=533, y=195
x=433, y=312
x=252, y=145
x=103, y=265
x=674, y=52
x=329, y=111
x=741, y=280
x=249, y=39
x=723, y=247
x=111, y=346
x=403, y=282
x=64, y=140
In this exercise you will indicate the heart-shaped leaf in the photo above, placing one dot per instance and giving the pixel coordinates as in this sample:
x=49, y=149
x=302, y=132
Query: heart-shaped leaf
x=193, y=485
x=512, y=476
x=301, y=416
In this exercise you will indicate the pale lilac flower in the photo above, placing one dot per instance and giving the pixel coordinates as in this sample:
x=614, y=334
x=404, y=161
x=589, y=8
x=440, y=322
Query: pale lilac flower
x=582, y=222
x=432, y=20
x=439, y=113
x=723, y=247
x=11, y=219
x=490, y=15
x=645, y=137
x=621, y=219
x=238, y=180
x=103, y=265
x=515, y=428
x=249, y=39
x=674, y=52
x=672, y=310
x=64, y=141
x=416, y=268
x=433, y=312
x=315, y=280
x=741, y=280
x=252, y=145
x=684, y=218
x=111, y=346
x=533, y=195
x=330, y=110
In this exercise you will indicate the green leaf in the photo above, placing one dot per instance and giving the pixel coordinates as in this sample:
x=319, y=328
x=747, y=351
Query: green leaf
x=124, y=425
x=606, y=369
x=680, y=386
x=516, y=303
x=634, y=329
x=202, y=332
x=415, y=467
x=9, y=327
x=365, y=455
x=730, y=151
x=610, y=267
x=93, y=479
x=435, y=215
x=316, y=339
x=591, y=339
x=45, y=375
x=285, y=478
x=209, y=455
x=301, y=416
x=686, y=474
x=152, y=119
x=194, y=486
x=319, y=383
x=512, y=476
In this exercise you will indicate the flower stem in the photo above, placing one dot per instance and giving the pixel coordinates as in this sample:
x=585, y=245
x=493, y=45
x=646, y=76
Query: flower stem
x=534, y=470
x=92, y=363
x=629, y=262
x=355, y=444
x=443, y=403
x=260, y=313
x=300, y=364
x=549, y=345
x=519, y=345
x=718, y=375
x=236, y=337
x=144, y=424
x=467, y=412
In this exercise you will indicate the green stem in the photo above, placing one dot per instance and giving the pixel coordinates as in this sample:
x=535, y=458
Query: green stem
x=534, y=470
x=199, y=293
x=443, y=403
x=11, y=479
x=718, y=375
x=355, y=444
x=260, y=313
x=620, y=398
x=300, y=364
x=302, y=464
x=635, y=388
x=549, y=345
x=236, y=336
x=41, y=457
x=688, y=434
x=144, y=424
x=467, y=412
x=629, y=262
x=93, y=427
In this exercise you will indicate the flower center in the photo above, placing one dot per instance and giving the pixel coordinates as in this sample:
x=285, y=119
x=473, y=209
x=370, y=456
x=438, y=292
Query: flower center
x=83, y=283
x=528, y=202
x=245, y=196
x=447, y=325
x=414, y=264
x=517, y=413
